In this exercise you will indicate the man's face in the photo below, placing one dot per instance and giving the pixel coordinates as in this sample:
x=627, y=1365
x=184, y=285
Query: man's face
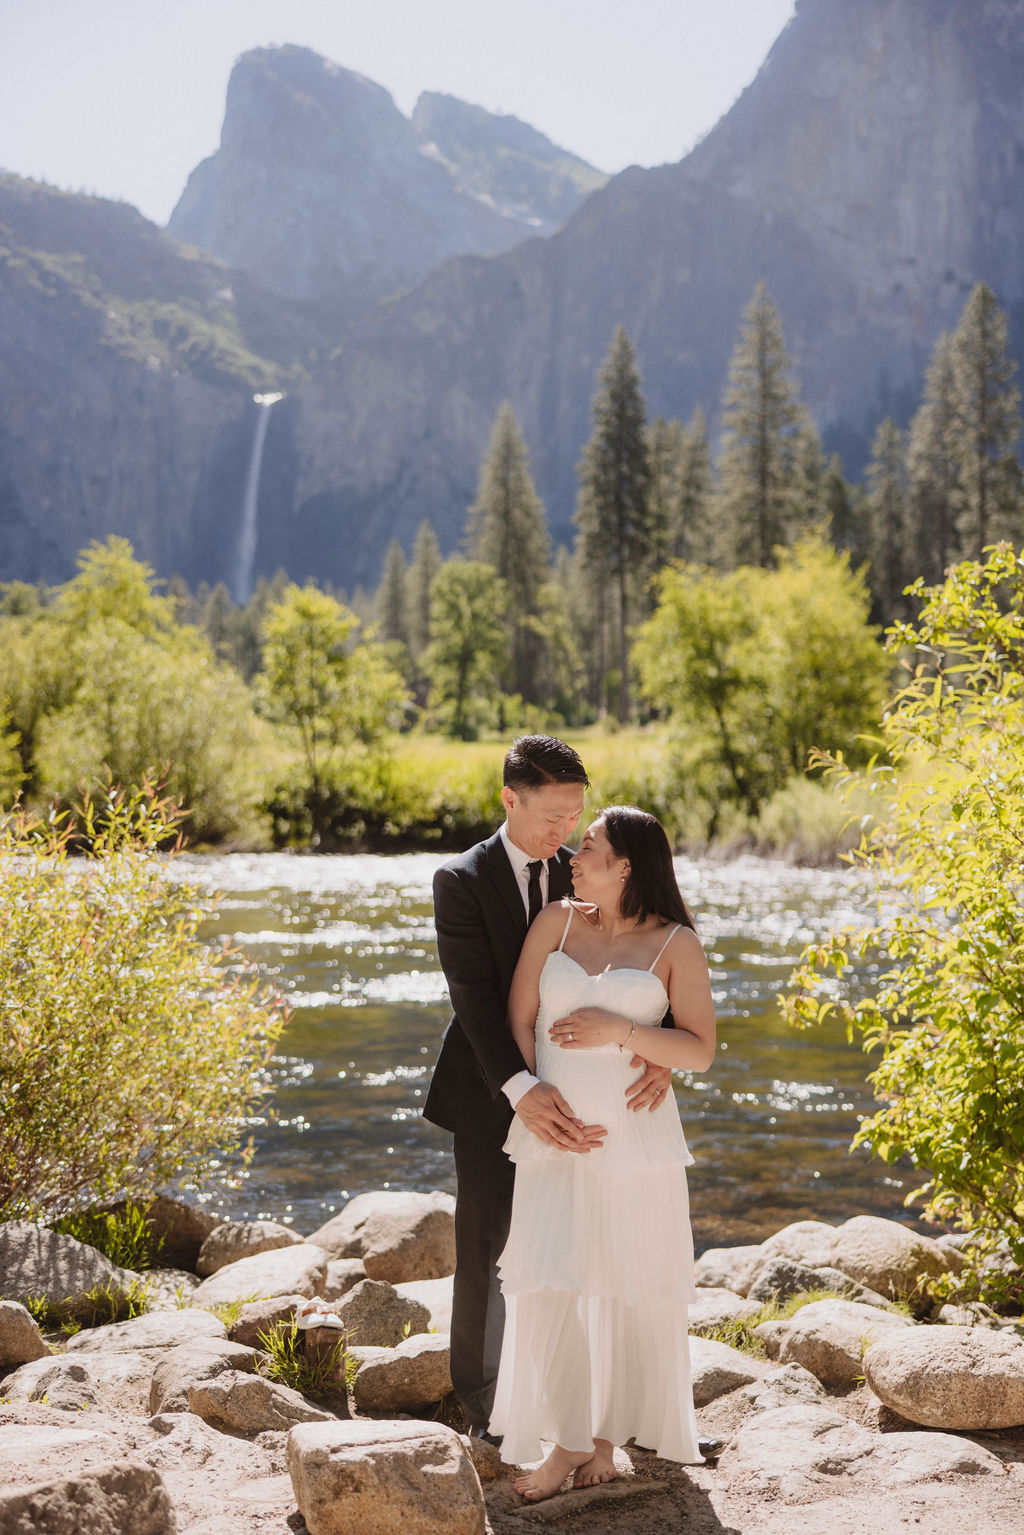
x=540, y=820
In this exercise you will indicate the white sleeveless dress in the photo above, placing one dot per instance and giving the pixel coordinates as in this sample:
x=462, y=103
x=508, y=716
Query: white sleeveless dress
x=597, y=1273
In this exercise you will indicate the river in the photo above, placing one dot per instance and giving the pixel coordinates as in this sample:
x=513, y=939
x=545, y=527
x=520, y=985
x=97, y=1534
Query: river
x=349, y=940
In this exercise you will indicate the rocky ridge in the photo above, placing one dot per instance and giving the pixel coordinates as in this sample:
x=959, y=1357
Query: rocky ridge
x=169, y=1422
x=324, y=192
x=868, y=176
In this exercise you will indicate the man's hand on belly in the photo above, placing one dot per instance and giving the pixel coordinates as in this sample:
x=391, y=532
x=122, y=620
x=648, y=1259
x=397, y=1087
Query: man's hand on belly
x=650, y=1089
x=546, y=1114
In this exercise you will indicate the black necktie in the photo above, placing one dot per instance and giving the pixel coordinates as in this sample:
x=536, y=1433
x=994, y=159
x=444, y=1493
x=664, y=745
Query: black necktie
x=535, y=899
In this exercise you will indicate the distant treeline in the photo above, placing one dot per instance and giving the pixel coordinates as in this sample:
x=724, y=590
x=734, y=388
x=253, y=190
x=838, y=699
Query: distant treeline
x=734, y=598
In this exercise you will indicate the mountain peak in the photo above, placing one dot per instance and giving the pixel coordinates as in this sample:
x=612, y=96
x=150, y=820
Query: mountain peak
x=504, y=161
x=327, y=195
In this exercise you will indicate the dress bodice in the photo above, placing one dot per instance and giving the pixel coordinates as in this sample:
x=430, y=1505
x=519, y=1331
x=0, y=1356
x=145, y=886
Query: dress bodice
x=564, y=984
x=594, y=1081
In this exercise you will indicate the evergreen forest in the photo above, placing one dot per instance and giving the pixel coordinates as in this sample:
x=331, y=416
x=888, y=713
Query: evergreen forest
x=718, y=620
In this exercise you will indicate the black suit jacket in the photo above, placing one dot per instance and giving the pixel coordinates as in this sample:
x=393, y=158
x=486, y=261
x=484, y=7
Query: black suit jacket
x=481, y=924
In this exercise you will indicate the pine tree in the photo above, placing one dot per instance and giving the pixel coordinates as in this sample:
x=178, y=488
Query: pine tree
x=392, y=600
x=837, y=506
x=613, y=509
x=692, y=533
x=216, y=618
x=425, y=564
x=758, y=470
x=809, y=479
x=933, y=475
x=886, y=520
x=507, y=528
x=665, y=447
x=986, y=426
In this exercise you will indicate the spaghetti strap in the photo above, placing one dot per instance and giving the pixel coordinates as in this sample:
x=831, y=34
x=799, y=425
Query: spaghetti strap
x=660, y=952
x=565, y=930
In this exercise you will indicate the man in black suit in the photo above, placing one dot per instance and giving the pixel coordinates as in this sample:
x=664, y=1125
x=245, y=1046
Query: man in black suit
x=484, y=901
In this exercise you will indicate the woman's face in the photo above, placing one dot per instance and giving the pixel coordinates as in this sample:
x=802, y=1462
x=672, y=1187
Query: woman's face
x=597, y=875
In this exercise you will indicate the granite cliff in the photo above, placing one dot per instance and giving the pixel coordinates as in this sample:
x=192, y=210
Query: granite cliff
x=325, y=194
x=870, y=174
x=126, y=386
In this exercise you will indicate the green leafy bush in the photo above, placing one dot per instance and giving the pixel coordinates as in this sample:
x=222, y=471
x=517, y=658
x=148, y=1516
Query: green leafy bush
x=946, y=846
x=129, y=1053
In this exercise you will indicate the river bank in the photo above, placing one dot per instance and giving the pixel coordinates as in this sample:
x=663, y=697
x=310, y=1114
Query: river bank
x=871, y=1408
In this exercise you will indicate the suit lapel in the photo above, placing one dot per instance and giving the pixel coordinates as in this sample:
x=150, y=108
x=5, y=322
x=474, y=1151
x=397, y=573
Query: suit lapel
x=506, y=884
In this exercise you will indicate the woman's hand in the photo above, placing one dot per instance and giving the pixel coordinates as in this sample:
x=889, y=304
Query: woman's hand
x=587, y=1027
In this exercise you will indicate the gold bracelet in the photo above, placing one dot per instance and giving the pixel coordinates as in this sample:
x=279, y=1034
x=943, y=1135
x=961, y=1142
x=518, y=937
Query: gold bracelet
x=629, y=1036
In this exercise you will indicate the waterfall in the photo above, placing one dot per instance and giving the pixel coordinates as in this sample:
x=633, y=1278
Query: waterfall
x=241, y=584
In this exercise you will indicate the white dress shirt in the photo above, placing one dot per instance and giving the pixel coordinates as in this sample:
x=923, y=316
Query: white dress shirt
x=518, y=1086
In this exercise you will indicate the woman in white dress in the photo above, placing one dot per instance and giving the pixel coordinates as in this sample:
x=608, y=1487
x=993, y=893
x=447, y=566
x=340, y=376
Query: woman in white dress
x=597, y=1272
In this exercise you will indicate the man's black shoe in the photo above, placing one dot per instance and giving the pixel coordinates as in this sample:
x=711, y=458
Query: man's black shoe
x=478, y=1431
x=710, y=1448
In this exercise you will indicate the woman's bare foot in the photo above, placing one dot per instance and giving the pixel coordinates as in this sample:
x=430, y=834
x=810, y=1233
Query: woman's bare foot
x=549, y=1476
x=599, y=1468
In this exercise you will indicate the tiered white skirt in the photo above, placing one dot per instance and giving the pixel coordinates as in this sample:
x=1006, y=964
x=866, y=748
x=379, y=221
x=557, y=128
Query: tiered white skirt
x=597, y=1276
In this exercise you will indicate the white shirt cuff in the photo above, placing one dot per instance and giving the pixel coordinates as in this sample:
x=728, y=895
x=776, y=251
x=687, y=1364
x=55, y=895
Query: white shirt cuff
x=518, y=1086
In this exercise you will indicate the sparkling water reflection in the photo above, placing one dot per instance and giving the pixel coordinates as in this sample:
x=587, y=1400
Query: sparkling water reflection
x=350, y=942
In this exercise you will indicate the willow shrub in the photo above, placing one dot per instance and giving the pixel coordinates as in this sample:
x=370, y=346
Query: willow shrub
x=945, y=1006
x=129, y=1053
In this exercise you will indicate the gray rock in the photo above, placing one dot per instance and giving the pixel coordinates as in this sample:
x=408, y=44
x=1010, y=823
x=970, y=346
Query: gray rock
x=184, y=1367
x=111, y=1499
x=239, y=1403
x=716, y=1368
x=375, y=1315
x=62, y=1381
x=168, y=1289
x=398, y=1236
x=714, y=1308
x=384, y=1478
x=155, y=1330
x=807, y=1242
x=885, y=1256
x=343, y=1274
x=69, y=1381
x=950, y=1377
x=299, y=1270
x=262, y=1316
x=487, y=1461
x=726, y=1268
x=829, y=1338
x=415, y=1374
x=232, y=1240
x=771, y=1335
x=20, y=1338
x=902, y=1458
x=436, y=1295
x=40, y=1264
x=789, y=1451
x=788, y=1386
x=973, y=1314
x=777, y=1278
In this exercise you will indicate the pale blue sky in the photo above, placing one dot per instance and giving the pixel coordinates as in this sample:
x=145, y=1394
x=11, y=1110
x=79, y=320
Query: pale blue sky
x=124, y=97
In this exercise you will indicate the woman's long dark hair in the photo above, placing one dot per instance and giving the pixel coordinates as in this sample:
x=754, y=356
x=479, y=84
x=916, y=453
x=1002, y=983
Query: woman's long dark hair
x=650, y=888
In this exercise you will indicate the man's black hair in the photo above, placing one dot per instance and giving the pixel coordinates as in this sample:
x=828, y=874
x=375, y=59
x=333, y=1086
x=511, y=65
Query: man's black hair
x=532, y=761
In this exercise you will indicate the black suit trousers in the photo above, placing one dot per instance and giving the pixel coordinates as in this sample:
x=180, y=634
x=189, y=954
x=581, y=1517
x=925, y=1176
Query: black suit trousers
x=483, y=1211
